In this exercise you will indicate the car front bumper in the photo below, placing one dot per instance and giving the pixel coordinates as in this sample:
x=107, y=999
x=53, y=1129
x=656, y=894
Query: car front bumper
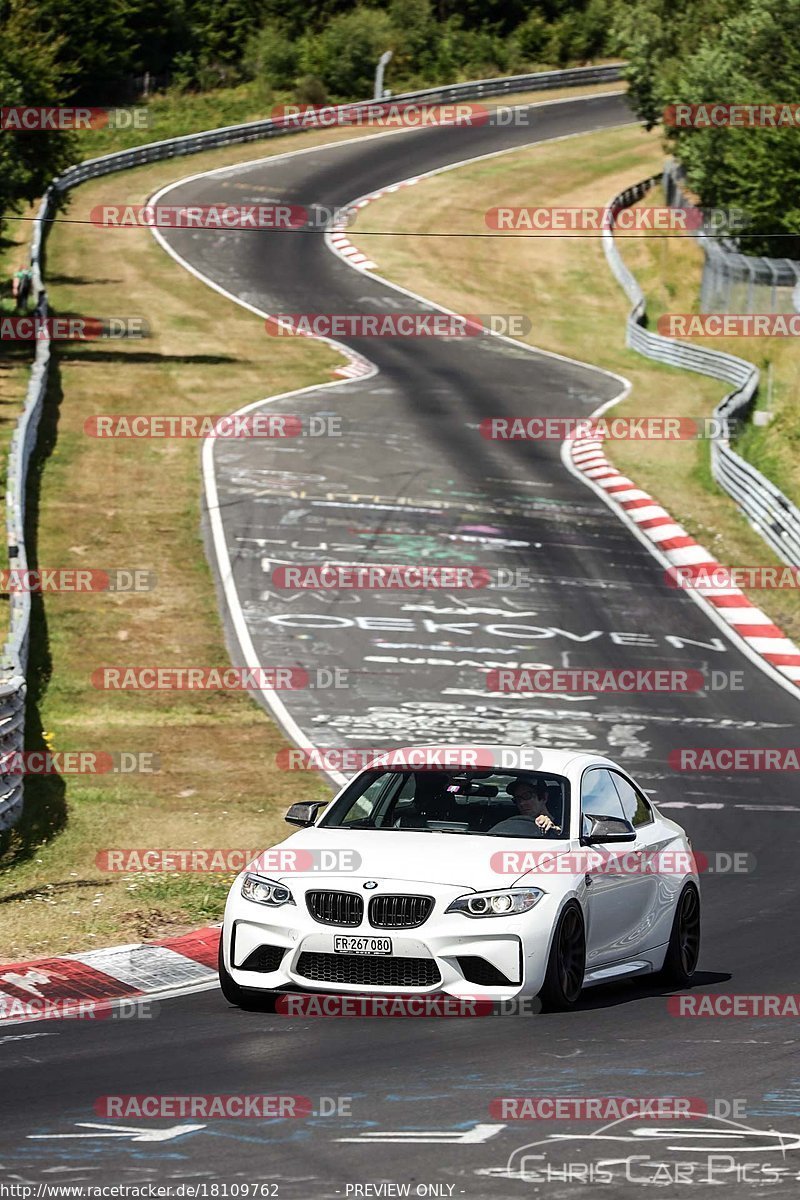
x=493, y=957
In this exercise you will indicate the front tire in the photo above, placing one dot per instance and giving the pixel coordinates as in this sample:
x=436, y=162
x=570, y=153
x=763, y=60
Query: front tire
x=566, y=965
x=241, y=997
x=683, y=950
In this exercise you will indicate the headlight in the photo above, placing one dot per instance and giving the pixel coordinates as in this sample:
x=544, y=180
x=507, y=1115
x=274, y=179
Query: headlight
x=497, y=904
x=265, y=891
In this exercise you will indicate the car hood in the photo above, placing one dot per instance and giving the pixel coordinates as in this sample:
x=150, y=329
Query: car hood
x=459, y=860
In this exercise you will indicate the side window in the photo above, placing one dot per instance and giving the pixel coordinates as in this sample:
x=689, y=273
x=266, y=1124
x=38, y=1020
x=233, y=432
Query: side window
x=634, y=804
x=599, y=797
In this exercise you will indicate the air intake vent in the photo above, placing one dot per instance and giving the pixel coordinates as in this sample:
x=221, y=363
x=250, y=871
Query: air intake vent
x=399, y=912
x=264, y=958
x=336, y=908
x=478, y=970
x=367, y=970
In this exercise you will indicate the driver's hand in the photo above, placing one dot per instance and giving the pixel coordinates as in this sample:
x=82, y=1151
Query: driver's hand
x=545, y=823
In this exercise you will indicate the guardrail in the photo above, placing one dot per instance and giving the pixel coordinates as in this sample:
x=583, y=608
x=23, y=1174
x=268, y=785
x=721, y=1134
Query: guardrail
x=15, y=653
x=13, y=688
x=771, y=513
x=255, y=130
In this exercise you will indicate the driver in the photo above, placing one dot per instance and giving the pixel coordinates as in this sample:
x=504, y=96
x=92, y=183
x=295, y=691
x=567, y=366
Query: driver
x=531, y=800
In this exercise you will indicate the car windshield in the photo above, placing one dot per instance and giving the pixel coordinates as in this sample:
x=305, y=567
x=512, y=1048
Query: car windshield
x=521, y=804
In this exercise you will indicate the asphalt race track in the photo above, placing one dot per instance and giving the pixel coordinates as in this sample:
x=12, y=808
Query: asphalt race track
x=410, y=476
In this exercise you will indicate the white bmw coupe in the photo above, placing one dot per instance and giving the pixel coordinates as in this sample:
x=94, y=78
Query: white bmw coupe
x=501, y=874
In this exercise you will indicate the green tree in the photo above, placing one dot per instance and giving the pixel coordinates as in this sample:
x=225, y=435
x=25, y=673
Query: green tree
x=733, y=55
x=272, y=56
x=416, y=36
x=95, y=45
x=655, y=36
x=30, y=75
x=344, y=54
x=219, y=30
x=532, y=37
x=581, y=34
x=159, y=30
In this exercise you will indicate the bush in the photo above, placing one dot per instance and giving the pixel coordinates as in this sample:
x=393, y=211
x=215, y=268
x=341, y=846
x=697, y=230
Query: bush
x=580, y=36
x=532, y=37
x=310, y=90
x=741, y=55
x=345, y=53
x=470, y=53
x=271, y=56
x=415, y=39
x=184, y=72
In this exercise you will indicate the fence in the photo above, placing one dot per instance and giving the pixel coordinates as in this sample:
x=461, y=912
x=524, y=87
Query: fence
x=15, y=653
x=770, y=512
x=13, y=688
x=735, y=282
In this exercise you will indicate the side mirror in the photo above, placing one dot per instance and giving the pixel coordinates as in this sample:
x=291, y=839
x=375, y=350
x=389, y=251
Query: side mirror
x=606, y=829
x=304, y=813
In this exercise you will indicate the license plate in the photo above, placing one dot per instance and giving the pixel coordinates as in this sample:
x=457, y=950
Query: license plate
x=349, y=944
